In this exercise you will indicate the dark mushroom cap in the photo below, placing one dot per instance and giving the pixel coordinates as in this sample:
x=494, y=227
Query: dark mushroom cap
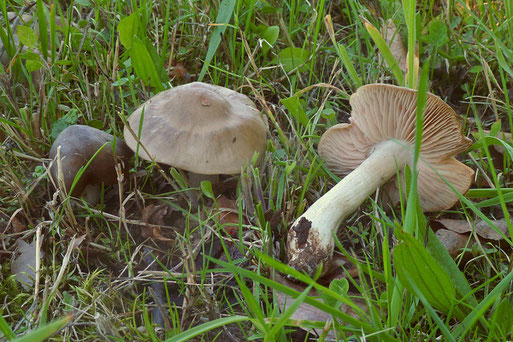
x=381, y=112
x=78, y=144
x=198, y=127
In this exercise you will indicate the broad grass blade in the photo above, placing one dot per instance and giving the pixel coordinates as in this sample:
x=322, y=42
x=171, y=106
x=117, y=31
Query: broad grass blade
x=223, y=17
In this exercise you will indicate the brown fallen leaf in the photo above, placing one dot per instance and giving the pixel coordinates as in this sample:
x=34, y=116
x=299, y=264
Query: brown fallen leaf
x=398, y=49
x=78, y=241
x=17, y=225
x=395, y=43
x=275, y=223
x=502, y=135
x=154, y=217
x=311, y=313
x=481, y=228
x=157, y=234
x=154, y=214
x=14, y=224
x=305, y=312
x=341, y=267
x=453, y=241
x=225, y=186
x=179, y=71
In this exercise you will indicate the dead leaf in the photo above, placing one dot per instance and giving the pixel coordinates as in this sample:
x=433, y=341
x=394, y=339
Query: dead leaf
x=154, y=217
x=398, y=49
x=225, y=202
x=154, y=214
x=453, y=241
x=309, y=312
x=481, y=228
x=24, y=264
x=305, y=312
x=503, y=136
x=395, y=43
x=340, y=267
x=225, y=186
x=78, y=241
x=17, y=225
x=179, y=71
x=275, y=218
x=157, y=234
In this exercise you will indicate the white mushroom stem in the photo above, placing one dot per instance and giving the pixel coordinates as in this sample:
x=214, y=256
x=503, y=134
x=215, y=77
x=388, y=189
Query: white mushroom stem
x=310, y=239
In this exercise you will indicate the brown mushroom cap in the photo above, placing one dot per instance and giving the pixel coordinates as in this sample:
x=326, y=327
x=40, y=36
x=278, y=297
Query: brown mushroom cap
x=78, y=144
x=382, y=112
x=199, y=127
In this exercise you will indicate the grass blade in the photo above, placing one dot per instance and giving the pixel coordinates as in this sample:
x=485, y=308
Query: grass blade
x=441, y=325
x=414, y=220
x=385, y=51
x=357, y=323
x=206, y=327
x=43, y=27
x=53, y=43
x=143, y=64
x=414, y=215
x=442, y=257
x=284, y=319
x=483, y=193
x=342, y=53
x=6, y=329
x=223, y=17
x=415, y=266
x=479, y=311
x=409, y=8
x=45, y=331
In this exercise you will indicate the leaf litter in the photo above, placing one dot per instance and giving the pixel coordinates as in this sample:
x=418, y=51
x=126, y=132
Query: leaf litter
x=457, y=234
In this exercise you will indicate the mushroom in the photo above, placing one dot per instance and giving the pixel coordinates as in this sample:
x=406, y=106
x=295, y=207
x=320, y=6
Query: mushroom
x=78, y=144
x=377, y=143
x=198, y=127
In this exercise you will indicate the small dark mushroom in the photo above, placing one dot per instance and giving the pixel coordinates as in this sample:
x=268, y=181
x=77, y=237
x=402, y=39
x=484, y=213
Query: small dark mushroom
x=78, y=144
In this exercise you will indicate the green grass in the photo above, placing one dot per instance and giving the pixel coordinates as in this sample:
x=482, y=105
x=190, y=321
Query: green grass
x=95, y=62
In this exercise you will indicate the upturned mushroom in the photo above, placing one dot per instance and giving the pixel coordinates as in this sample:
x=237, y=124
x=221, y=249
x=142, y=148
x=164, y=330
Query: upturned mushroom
x=201, y=128
x=78, y=144
x=377, y=143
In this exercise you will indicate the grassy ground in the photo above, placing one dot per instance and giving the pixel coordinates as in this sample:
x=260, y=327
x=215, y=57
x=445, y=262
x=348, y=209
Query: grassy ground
x=104, y=58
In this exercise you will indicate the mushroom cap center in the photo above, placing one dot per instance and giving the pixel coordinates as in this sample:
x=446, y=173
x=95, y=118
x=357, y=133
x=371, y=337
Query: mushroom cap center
x=193, y=103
